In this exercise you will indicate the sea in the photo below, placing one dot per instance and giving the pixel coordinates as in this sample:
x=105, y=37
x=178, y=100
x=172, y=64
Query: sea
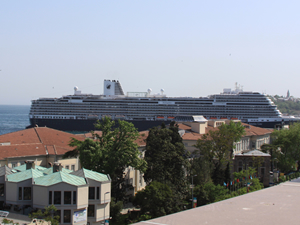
x=13, y=118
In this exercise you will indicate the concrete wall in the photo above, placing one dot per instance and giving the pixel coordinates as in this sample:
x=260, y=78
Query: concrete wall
x=199, y=127
x=82, y=196
x=12, y=194
x=40, y=196
x=105, y=187
x=100, y=211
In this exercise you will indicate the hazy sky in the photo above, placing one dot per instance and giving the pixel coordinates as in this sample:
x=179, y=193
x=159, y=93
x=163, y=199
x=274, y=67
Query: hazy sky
x=189, y=48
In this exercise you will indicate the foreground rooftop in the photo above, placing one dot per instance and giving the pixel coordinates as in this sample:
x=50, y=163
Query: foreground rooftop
x=274, y=205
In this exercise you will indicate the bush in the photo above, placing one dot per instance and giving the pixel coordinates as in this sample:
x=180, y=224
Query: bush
x=282, y=179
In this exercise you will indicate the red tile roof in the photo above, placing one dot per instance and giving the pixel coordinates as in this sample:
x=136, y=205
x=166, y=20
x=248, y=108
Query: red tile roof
x=36, y=141
x=249, y=131
x=22, y=150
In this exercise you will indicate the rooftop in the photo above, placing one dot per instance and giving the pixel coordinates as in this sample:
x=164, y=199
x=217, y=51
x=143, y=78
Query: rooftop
x=269, y=206
x=58, y=177
x=91, y=175
x=35, y=141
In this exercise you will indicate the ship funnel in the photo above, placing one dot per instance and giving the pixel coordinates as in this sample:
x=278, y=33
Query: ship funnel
x=112, y=88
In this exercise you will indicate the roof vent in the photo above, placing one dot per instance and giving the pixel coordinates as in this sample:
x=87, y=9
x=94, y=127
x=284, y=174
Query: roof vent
x=30, y=164
x=57, y=167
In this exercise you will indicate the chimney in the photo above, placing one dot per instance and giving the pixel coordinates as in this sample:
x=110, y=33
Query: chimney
x=57, y=167
x=30, y=164
x=199, y=127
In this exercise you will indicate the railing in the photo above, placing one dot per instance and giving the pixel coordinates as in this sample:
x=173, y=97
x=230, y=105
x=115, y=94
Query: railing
x=4, y=213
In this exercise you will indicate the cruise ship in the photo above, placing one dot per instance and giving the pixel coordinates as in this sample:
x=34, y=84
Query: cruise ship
x=79, y=112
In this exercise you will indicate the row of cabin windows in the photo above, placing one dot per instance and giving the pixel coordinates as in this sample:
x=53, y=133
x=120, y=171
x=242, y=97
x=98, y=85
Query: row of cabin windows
x=57, y=198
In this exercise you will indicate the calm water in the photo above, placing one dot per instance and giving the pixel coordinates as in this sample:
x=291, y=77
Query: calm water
x=13, y=118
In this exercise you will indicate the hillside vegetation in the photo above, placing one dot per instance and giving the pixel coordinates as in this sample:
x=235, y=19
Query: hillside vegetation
x=289, y=107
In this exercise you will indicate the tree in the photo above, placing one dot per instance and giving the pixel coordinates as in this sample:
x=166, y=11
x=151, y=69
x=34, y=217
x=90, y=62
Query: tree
x=115, y=211
x=217, y=146
x=286, y=143
x=167, y=160
x=47, y=215
x=156, y=200
x=111, y=153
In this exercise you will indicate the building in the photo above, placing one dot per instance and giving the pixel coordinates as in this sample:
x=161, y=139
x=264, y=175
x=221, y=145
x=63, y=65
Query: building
x=41, y=144
x=81, y=197
x=254, y=159
x=246, y=151
x=253, y=139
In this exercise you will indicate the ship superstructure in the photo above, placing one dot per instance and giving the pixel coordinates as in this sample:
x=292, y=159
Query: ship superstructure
x=78, y=112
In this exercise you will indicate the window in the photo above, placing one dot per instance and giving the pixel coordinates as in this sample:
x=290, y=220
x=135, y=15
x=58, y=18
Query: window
x=20, y=193
x=14, y=164
x=67, y=216
x=262, y=171
x=141, y=178
x=67, y=197
x=74, y=197
x=91, y=211
x=1, y=189
x=57, y=197
x=67, y=167
x=73, y=167
x=91, y=192
x=27, y=193
x=57, y=213
x=98, y=192
x=50, y=197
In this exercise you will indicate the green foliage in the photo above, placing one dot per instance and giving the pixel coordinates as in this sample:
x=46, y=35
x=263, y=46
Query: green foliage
x=208, y=193
x=155, y=200
x=286, y=147
x=167, y=160
x=245, y=173
x=201, y=168
x=282, y=179
x=290, y=107
x=115, y=211
x=217, y=147
x=47, y=215
x=6, y=221
x=111, y=153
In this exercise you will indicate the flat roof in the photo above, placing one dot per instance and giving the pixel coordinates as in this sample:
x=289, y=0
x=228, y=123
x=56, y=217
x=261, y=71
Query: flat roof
x=274, y=205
